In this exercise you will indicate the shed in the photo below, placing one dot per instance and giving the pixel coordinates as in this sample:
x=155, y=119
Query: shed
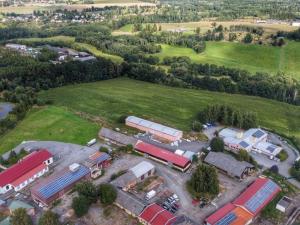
x=116, y=137
x=16, y=204
x=284, y=204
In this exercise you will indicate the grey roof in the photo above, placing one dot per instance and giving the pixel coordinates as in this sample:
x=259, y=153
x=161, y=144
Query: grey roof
x=184, y=220
x=141, y=168
x=227, y=163
x=130, y=202
x=6, y=221
x=244, y=144
x=19, y=204
x=85, y=58
x=154, y=126
x=124, y=180
x=258, y=134
x=285, y=202
x=117, y=136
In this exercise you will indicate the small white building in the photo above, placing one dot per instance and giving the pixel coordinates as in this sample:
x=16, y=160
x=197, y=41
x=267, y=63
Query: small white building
x=267, y=148
x=296, y=24
x=284, y=204
x=16, y=47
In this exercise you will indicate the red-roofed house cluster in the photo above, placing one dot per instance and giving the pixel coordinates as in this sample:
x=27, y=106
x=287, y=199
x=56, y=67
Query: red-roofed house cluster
x=247, y=206
x=25, y=171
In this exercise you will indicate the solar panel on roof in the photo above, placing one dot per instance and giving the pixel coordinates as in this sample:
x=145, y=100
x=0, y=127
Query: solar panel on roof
x=61, y=182
x=102, y=158
x=261, y=196
x=227, y=220
x=244, y=144
x=271, y=148
x=258, y=134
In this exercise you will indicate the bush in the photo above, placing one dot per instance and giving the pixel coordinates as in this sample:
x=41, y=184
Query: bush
x=217, y=144
x=197, y=126
x=49, y=218
x=80, y=205
x=282, y=156
x=20, y=217
x=122, y=119
x=274, y=169
x=107, y=193
x=88, y=190
x=103, y=149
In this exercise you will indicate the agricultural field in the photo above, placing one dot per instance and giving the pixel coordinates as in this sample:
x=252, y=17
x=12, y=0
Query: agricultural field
x=26, y=9
x=254, y=58
x=70, y=41
x=173, y=106
x=49, y=123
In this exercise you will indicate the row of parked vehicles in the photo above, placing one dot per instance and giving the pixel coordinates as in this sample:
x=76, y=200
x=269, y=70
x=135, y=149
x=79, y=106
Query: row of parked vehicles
x=171, y=203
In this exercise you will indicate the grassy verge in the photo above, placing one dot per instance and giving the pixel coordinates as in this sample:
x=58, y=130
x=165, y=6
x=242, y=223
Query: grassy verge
x=49, y=123
x=173, y=106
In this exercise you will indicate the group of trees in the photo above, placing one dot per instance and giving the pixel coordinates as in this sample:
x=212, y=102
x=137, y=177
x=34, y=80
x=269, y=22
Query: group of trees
x=295, y=170
x=88, y=194
x=229, y=116
x=204, y=182
x=20, y=217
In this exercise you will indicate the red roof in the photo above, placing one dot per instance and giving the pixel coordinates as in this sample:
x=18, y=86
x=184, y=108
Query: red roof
x=156, y=215
x=28, y=175
x=220, y=213
x=258, y=184
x=162, y=154
x=26, y=165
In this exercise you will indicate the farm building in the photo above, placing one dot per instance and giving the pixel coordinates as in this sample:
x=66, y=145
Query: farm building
x=164, y=156
x=16, y=204
x=254, y=139
x=16, y=47
x=247, y=206
x=116, y=137
x=97, y=162
x=56, y=185
x=134, y=175
x=284, y=204
x=25, y=171
x=157, y=130
x=229, y=165
x=129, y=203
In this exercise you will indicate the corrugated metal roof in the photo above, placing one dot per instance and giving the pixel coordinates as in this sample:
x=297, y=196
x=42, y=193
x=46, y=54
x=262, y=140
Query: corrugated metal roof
x=154, y=126
x=117, y=136
x=227, y=163
x=27, y=164
x=141, y=168
x=59, y=181
x=220, y=213
x=162, y=154
x=16, y=204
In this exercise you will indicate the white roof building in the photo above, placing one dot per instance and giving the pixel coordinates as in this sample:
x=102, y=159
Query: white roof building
x=141, y=169
x=267, y=149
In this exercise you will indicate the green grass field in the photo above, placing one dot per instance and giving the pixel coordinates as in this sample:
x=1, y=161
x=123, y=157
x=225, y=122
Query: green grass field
x=77, y=45
x=50, y=123
x=173, y=106
x=254, y=58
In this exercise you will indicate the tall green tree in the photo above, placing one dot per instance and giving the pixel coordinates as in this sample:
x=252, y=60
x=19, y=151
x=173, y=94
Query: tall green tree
x=20, y=217
x=80, y=205
x=217, y=144
x=49, y=218
x=107, y=193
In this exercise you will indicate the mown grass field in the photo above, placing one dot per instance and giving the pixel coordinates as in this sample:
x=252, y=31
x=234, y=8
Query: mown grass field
x=173, y=106
x=49, y=123
x=77, y=45
x=254, y=58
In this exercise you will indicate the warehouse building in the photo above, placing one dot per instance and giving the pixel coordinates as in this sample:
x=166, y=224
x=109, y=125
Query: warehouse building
x=25, y=171
x=229, y=165
x=134, y=175
x=116, y=138
x=157, y=130
x=247, y=206
x=164, y=156
x=56, y=185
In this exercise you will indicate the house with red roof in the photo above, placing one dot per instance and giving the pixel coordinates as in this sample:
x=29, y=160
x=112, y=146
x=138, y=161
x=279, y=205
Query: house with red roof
x=247, y=206
x=25, y=171
x=162, y=155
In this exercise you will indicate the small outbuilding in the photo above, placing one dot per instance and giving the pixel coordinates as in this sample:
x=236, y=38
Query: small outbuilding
x=16, y=204
x=116, y=137
x=284, y=204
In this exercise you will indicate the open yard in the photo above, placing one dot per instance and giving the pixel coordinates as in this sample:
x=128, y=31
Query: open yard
x=254, y=58
x=70, y=41
x=49, y=123
x=174, y=106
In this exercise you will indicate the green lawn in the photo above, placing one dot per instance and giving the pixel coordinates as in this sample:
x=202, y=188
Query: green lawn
x=50, y=123
x=174, y=106
x=254, y=58
x=77, y=45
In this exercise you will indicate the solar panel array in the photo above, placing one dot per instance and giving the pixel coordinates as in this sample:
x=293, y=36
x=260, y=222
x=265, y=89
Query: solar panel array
x=261, y=196
x=154, y=126
x=258, y=134
x=63, y=181
x=227, y=220
x=271, y=148
x=102, y=158
x=244, y=144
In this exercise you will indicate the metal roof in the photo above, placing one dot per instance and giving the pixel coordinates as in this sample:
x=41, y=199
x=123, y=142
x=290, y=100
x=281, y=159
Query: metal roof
x=16, y=204
x=58, y=182
x=117, y=136
x=227, y=163
x=258, y=134
x=141, y=168
x=154, y=126
x=227, y=220
x=244, y=144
